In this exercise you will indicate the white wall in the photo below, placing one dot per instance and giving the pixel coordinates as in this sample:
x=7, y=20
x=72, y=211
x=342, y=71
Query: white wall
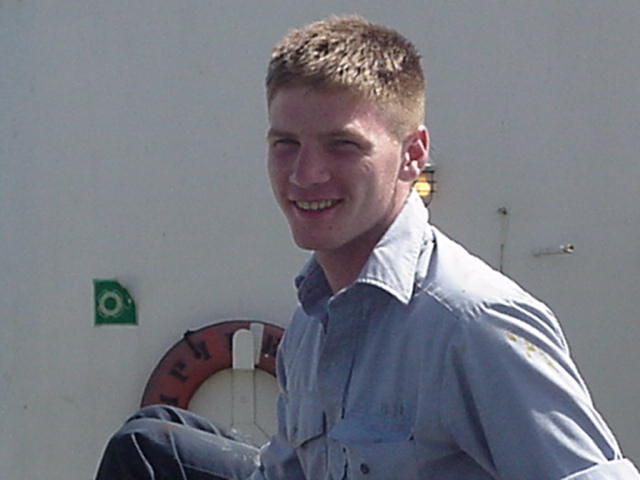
x=131, y=146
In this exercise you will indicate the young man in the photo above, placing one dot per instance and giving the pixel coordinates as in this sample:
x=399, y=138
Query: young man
x=408, y=358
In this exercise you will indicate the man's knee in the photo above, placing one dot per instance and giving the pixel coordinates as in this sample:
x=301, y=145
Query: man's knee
x=148, y=445
x=167, y=413
x=136, y=433
x=150, y=429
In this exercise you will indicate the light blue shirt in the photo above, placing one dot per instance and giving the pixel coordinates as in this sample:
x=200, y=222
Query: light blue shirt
x=431, y=365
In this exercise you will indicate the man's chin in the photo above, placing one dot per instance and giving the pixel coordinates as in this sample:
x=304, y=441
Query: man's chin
x=306, y=245
x=311, y=244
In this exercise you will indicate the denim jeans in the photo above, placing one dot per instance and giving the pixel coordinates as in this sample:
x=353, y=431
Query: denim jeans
x=166, y=443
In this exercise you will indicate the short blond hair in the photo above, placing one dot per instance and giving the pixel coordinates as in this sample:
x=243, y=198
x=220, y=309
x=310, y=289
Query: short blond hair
x=351, y=53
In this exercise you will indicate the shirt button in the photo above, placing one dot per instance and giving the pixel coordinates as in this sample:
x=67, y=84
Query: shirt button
x=364, y=468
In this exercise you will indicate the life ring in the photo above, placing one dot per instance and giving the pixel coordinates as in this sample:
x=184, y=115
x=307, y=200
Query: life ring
x=200, y=354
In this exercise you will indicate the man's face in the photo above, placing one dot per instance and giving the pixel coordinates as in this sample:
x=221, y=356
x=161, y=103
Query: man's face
x=334, y=169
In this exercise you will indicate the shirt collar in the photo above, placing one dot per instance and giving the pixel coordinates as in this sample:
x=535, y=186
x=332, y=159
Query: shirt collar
x=393, y=261
x=313, y=287
x=391, y=265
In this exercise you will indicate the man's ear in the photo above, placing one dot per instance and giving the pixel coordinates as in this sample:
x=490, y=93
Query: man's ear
x=415, y=154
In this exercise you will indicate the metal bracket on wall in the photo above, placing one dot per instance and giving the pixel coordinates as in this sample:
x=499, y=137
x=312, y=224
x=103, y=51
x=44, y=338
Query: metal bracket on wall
x=562, y=249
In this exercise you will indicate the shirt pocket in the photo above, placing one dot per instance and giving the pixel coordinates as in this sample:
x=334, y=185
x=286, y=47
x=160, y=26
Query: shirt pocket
x=305, y=428
x=378, y=448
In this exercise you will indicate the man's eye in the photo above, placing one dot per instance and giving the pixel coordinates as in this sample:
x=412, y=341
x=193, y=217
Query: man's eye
x=284, y=142
x=345, y=143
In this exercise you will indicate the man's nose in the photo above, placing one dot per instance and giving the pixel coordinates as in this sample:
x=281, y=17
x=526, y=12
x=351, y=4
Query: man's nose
x=309, y=168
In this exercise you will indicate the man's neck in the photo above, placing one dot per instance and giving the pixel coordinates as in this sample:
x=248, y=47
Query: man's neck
x=341, y=270
x=342, y=266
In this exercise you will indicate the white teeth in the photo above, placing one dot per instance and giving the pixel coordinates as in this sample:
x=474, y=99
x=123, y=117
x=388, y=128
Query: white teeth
x=318, y=205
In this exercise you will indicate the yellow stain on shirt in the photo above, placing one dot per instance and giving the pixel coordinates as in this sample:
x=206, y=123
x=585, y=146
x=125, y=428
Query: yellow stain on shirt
x=549, y=362
x=531, y=349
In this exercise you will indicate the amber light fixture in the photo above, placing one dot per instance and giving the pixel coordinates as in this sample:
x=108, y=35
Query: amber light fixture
x=425, y=184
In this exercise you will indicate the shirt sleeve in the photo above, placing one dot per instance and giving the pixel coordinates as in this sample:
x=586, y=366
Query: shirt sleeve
x=278, y=458
x=514, y=401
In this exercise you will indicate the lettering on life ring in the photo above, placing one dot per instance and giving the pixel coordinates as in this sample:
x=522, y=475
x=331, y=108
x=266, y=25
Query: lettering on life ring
x=200, y=354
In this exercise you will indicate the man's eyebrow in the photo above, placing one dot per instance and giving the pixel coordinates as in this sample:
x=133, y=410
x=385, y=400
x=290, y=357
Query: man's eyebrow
x=342, y=132
x=349, y=134
x=329, y=135
x=276, y=132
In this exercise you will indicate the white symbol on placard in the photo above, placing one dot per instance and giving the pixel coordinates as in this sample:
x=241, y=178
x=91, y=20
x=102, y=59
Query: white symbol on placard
x=110, y=304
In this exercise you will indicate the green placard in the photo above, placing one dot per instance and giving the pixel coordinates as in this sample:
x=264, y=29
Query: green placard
x=113, y=304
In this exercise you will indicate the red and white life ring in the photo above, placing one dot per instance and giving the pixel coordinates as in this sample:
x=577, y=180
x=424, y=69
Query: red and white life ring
x=200, y=354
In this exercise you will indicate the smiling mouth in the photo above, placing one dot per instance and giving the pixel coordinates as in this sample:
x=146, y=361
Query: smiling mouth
x=316, y=206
